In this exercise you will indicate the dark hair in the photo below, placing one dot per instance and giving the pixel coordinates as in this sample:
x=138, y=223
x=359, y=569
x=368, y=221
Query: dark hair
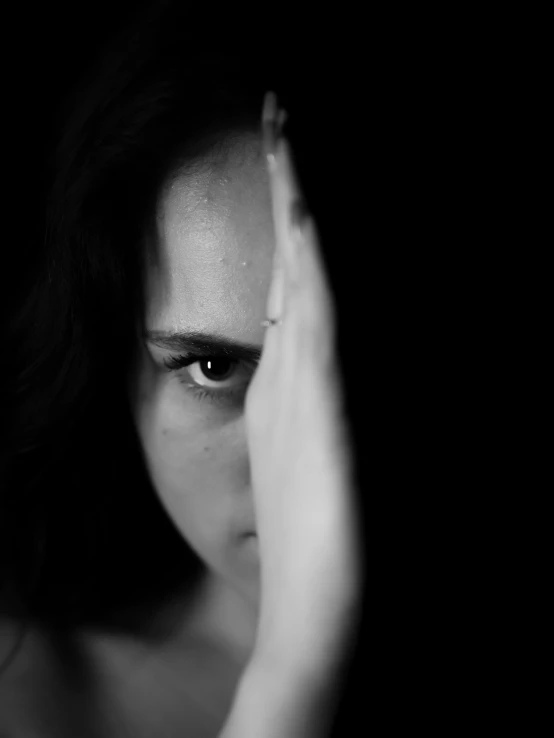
x=82, y=532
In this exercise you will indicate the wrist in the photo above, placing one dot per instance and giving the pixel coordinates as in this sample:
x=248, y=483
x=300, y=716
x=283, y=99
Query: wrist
x=307, y=645
x=276, y=699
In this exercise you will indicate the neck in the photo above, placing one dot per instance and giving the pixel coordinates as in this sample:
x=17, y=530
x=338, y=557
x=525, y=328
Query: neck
x=214, y=614
x=223, y=616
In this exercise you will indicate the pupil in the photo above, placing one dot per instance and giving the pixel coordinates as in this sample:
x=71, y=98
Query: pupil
x=217, y=369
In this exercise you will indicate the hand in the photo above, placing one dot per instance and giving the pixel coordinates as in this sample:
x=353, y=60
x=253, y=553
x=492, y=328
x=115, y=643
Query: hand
x=298, y=439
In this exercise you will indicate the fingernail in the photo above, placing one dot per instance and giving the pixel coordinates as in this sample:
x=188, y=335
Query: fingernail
x=273, y=119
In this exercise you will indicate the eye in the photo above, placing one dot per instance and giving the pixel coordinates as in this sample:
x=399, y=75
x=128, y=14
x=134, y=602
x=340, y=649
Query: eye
x=214, y=371
x=218, y=379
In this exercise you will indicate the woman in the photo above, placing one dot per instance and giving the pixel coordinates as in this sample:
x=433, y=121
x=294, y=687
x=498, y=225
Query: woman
x=177, y=346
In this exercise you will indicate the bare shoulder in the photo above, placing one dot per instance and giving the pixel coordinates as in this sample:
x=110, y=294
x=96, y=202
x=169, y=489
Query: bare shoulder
x=44, y=684
x=159, y=690
x=25, y=685
x=102, y=686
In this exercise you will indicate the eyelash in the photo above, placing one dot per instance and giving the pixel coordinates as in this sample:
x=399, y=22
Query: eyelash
x=218, y=397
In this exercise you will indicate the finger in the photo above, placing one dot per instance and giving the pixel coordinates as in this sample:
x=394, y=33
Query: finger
x=308, y=292
x=295, y=229
x=283, y=187
x=313, y=291
x=299, y=274
x=272, y=121
x=287, y=206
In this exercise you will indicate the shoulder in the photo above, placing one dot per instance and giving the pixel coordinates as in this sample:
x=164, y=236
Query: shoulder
x=45, y=684
x=59, y=686
x=23, y=680
x=178, y=689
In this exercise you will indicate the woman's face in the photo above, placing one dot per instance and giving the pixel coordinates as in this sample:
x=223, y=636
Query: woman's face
x=209, y=275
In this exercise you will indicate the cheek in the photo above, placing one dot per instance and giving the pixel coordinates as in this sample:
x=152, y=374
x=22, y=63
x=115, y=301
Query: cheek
x=201, y=474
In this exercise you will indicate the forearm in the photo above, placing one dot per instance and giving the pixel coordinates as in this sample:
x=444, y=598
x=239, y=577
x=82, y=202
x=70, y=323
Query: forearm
x=272, y=702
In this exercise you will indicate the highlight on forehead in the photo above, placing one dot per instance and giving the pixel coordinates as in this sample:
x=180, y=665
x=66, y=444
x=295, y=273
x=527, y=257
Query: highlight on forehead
x=213, y=215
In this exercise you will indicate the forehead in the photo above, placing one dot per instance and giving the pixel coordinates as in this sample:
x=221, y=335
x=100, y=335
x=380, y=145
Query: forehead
x=213, y=243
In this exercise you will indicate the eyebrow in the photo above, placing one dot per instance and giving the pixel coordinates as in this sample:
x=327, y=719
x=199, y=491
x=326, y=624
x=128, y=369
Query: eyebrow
x=204, y=344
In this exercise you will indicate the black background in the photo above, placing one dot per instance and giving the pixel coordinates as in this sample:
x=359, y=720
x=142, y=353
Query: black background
x=46, y=49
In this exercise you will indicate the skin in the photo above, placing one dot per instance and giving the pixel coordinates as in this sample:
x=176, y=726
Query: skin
x=210, y=270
